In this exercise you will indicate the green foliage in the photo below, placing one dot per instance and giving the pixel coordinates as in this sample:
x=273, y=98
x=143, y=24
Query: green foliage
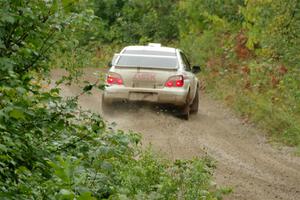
x=273, y=29
x=251, y=53
x=206, y=25
x=51, y=149
x=197, y=12
x=135, y=21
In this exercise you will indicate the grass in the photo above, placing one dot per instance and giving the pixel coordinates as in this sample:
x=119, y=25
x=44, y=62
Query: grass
x=270, y=110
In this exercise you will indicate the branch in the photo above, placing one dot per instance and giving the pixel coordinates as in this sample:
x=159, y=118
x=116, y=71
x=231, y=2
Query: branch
x=8, y=51
x=72, y=143
x=42, y=52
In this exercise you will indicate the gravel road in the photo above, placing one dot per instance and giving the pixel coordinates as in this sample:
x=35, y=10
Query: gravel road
x=255, y=169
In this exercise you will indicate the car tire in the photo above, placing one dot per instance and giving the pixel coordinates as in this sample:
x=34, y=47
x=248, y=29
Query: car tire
x=195, y=104
x=185, y=110
x=185, y=114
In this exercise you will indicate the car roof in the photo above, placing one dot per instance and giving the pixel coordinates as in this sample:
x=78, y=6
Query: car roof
x=151, y=48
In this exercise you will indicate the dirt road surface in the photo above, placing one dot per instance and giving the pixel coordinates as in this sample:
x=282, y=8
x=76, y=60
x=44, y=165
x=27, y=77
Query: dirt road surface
x=255, y=169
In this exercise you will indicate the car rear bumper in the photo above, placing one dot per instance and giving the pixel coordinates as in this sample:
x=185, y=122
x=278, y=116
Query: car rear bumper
x=175, y=96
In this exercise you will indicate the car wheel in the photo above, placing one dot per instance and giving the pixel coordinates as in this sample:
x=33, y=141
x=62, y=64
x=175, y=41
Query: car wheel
x=185, y=110
x=195, y=104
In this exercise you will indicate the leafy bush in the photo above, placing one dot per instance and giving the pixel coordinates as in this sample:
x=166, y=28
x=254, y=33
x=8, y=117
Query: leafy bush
x=249, y=50
x=135, y=21
x=273, y=28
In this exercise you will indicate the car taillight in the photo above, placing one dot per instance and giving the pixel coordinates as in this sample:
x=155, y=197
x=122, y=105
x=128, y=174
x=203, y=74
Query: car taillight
x=175, y=81
x=114, y=79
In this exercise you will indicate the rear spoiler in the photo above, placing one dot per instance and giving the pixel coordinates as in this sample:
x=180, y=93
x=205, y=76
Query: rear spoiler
x=153, y=68
x=142, y=55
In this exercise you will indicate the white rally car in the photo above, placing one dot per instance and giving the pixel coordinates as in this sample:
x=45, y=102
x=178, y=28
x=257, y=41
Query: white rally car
x=154, y=74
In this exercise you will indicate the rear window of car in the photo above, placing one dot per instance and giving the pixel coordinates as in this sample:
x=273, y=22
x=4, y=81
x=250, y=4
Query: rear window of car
x=149, y=52
x=147, y=61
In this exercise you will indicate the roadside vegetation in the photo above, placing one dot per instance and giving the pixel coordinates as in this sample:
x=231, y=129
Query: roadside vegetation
x=250, y=54
x=51, y=149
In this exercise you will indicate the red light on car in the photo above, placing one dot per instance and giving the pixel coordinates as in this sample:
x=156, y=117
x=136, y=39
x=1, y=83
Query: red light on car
x=120, y=81
x=114, y=79
x=179, y=83
x=110, y=80
x=175, y=81
x=169, y=83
